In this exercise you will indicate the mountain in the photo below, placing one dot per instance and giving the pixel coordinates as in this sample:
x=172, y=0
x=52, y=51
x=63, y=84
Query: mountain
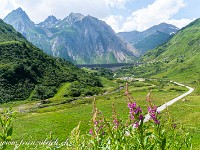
x=49, y=22
x=77, y=38
x=150, y=38
x=19, y=20
x=179, y=58
x=26, y=72
x=22, y=23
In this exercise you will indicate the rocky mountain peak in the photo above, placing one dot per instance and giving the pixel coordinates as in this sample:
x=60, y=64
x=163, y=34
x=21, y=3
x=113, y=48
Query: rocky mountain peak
x=76, y=16
x=78, y=38
x=162, y=27
x=51, y=19
x=48, y=22
x=17, y=14
x=19, y=20
x=73, y=17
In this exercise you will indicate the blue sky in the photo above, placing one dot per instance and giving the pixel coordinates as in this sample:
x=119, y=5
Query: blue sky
x=121, y=15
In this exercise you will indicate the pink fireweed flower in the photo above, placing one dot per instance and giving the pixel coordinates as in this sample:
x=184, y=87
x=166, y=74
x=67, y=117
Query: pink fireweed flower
x=90, y=131
x=132, y=105
x=135, y=114
x=138, y=110
x=96, y=122
x=136, y=125
x=153, y=114
x=141, y=117
x=116, y=123
x=157, y=121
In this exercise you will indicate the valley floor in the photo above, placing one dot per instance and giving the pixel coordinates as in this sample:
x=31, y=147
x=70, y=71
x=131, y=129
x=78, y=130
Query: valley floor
x=37, y=122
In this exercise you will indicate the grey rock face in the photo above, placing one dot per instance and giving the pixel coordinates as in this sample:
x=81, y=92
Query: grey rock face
x=77, y=38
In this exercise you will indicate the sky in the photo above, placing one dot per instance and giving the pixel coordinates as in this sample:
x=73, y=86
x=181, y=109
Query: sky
x=121, y=15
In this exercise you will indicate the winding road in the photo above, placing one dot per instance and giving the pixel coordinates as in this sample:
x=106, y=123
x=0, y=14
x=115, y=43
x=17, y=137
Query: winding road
x=164, y=106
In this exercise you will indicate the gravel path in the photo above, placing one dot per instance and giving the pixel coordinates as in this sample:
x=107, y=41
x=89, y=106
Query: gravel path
x=164, y=106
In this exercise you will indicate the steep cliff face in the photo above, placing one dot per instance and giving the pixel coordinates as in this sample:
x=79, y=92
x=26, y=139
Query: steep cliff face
x=77, y=38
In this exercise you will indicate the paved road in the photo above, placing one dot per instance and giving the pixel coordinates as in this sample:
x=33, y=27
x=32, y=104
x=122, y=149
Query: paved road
x=164, y=106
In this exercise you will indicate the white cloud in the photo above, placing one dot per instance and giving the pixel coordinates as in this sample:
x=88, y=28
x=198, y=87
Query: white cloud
x=115, y=22
x=155, y=13
x=180, y=23
x=5, y=7
x=38, y=10
x=116, y=3
x=159, y=11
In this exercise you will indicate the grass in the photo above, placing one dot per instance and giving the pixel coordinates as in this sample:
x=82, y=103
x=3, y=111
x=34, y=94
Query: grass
x=37, y=123
x=61, y=119
x=187, y=113
x=109, y=85
x=61, y=91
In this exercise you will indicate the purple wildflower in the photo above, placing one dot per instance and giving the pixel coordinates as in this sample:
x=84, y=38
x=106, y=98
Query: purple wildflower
x=132, y=105
x=153, y=113
x=136, y=125
x=116, y=123
x=96, y=122
x=90, y=131
x=137, y=110
x=157, y=121
x=141, y=117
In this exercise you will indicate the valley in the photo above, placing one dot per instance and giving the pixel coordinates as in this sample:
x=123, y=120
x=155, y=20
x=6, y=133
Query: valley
x=55, y=117
x=78, y=81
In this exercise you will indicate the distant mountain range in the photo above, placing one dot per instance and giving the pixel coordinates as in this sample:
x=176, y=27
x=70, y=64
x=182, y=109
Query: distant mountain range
x=150, y=38
x=77, y=38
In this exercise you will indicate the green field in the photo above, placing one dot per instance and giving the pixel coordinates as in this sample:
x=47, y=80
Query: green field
x=33, y=123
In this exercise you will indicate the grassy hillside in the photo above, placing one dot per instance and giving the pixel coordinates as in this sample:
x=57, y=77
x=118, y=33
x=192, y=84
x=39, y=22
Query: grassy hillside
x=177, y=59
x=180, y=57
x=26, y=72
x=7, y=33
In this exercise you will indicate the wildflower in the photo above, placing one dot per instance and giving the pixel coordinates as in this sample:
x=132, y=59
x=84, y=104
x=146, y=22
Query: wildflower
x=153, y=113
x=141, y=117
x=116, y=123
x=96, y=122
x=132, y=105
x=157, y=121
x=152, y=110
x=90, y=131
x=136, y=125
x=137, y=110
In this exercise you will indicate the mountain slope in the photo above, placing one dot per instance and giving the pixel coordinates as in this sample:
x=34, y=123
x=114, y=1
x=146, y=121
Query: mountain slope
x=77, y=38
x=25, y=70
x=150, y=38
x=179, y=58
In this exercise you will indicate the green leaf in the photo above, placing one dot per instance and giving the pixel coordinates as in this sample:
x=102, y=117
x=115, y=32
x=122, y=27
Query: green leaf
x=9, y=133
x=8, y=138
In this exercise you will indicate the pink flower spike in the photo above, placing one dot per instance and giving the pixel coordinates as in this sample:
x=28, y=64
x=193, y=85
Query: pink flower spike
x=141, y=117
x=90, y=132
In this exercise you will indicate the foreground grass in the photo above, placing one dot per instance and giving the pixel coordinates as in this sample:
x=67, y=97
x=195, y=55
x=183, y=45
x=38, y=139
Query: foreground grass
x=187, y=113
x=61, y=119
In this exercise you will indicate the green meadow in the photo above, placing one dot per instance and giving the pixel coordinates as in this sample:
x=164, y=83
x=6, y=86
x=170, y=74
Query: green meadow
x=35, y=123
